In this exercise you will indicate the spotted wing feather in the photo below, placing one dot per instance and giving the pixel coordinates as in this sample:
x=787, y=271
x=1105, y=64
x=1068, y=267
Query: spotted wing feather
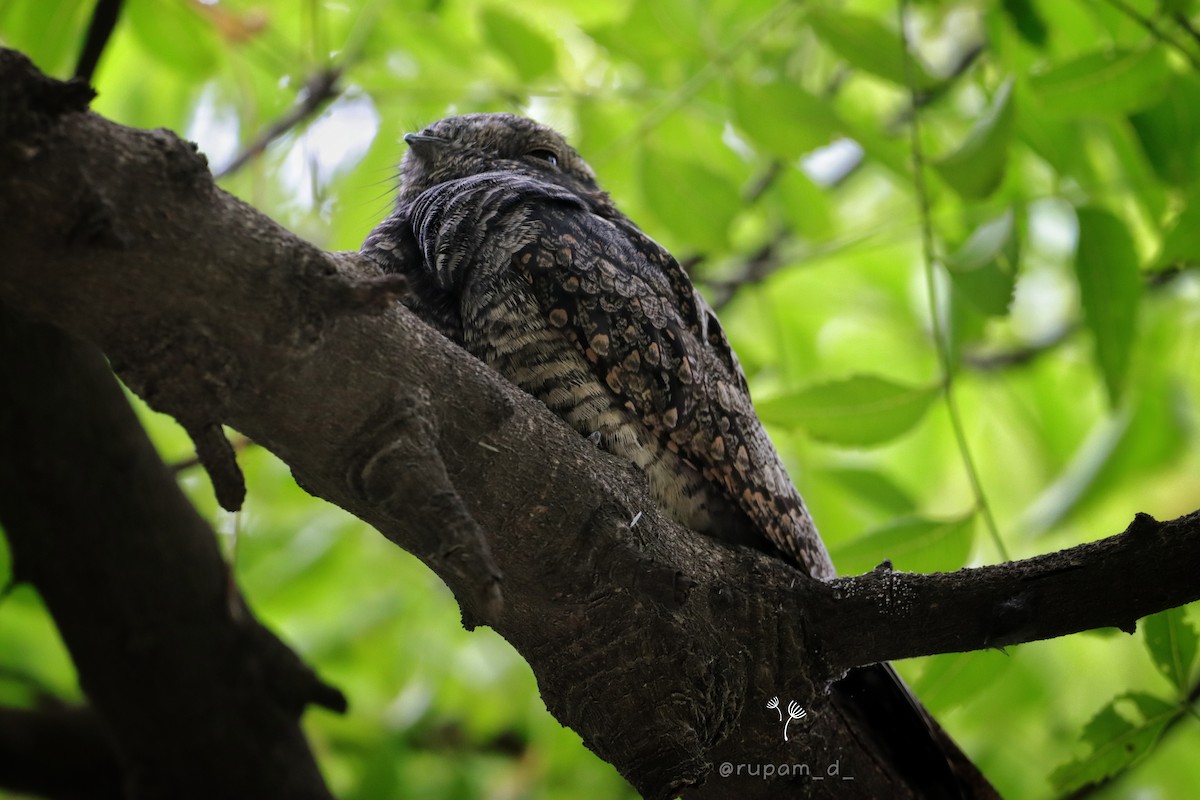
x=629, y=308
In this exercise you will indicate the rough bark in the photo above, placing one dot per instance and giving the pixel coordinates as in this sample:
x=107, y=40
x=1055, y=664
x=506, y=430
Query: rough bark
x=661, y=648
x=60, y=754
x=195, y=697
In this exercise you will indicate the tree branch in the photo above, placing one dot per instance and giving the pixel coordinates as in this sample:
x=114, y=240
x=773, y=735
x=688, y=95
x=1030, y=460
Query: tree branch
x=104, y=20
x=60, y=754
x=205, y=307
x=902, y=615
x=990, y=361
x=181, y=674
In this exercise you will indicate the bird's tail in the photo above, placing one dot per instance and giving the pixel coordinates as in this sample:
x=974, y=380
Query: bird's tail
x=920, y=751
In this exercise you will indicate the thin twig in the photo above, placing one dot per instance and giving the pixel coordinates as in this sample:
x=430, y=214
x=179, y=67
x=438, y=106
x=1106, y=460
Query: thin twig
x=939, y=337
x=1182, y=20
x=104, y=20
x=318, y=90
x=239, y=444
x=757, y=267
x=1168, y=275
x=966, y=58
x=1155, y=31
x=1018, y=356
x=451, y=737
x=764, y=181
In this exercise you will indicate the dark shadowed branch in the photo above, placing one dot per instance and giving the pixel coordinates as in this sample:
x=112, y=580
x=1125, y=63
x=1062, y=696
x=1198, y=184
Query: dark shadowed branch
x=171, y=658
x=104, y=20
x=59, y=753
x=1020, y=601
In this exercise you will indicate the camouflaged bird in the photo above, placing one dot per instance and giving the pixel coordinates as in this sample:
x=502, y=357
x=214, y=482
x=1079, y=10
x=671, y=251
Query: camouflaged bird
x=513, y=251
x=531, y=268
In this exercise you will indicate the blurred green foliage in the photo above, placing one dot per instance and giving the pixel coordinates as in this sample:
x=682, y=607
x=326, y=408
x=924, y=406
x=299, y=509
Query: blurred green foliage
x=768, y=143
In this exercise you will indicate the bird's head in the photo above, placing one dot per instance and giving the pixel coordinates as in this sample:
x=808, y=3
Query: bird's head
x=458, y=147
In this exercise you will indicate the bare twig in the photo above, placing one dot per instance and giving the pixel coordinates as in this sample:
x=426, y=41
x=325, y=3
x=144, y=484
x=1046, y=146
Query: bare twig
x=319, y=89
x=1154, y=30
x=764, y=181
x=1185, y=22
x=239, y=443
x=104, y=20
x=1018, y=356
x=757, y=267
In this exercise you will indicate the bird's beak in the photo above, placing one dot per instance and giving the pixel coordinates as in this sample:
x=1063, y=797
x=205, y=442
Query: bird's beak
x=423, y=141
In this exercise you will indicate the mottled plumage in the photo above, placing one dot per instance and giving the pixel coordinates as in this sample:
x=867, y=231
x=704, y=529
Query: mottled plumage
x=513, y=251
x=532, y=269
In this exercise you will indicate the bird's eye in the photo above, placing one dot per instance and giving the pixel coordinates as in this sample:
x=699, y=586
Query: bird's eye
x=544, y=155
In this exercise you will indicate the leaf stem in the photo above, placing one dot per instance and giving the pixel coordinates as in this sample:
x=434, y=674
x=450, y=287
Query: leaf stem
x=929, y=259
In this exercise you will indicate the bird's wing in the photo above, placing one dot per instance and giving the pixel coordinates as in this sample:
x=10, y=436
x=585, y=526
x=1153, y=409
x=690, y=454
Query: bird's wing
x=393, y=246
x=629, y=308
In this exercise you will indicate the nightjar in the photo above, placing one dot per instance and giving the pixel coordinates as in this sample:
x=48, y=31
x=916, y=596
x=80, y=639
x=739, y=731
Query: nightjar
x=513, y=251
x=530, y=266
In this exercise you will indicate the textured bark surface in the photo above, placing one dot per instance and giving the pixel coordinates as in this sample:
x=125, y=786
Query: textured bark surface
x=193, y=697
x=659, y=647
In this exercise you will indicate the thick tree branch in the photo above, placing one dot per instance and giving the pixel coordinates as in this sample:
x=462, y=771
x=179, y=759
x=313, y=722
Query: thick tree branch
x=198, y=699
x=661, y=648
x=59, y=754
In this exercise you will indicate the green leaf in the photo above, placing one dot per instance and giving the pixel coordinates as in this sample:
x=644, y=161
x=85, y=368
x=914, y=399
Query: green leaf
x=869, y=45
x=687, y=196
x=527, y=49
x=913, y=545
x=803, y=205
x=1181, y=241
x=175, y=34
x=1121, y=450
x=984, y=268
x=1171, y=640
x=49, y=32
x=860, y=411
x=976, y=168
x=952, y=679
x=965, y=325
x=1176, y=6
x=1119, y=735
x=1169, y=132
x=1025, y=18
x=1110, y=288
x=656, y=36
x=875, y=488
x=782, y=117
x=1103, y=82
